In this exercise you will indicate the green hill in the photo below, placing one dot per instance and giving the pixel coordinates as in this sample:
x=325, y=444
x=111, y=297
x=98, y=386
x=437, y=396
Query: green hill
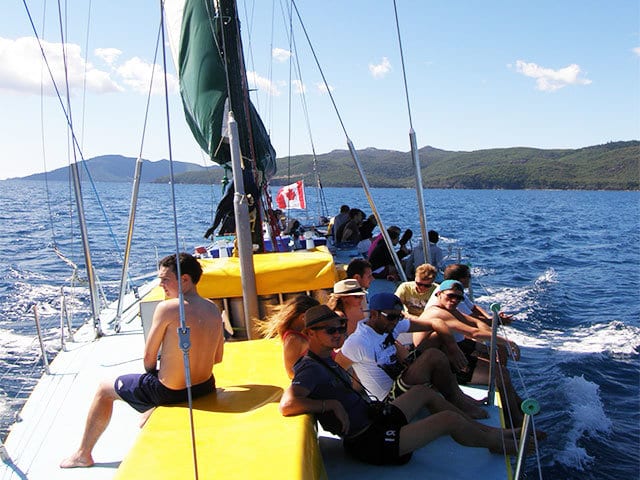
x=612, y=166
x=117, y=168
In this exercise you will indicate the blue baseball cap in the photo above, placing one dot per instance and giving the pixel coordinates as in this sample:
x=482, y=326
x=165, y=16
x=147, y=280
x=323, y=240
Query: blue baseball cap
x=385, y=301
x=450, y=285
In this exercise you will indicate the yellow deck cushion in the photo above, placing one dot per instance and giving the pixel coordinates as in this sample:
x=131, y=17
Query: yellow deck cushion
x=239, y=431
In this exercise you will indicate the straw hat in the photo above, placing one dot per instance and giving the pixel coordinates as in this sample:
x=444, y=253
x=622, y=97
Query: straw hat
x=350, y=286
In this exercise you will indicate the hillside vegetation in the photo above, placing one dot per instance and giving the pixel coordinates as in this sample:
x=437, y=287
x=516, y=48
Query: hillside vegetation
x=611, y=166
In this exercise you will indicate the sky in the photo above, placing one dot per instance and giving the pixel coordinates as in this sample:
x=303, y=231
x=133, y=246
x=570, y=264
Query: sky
x=480, y=74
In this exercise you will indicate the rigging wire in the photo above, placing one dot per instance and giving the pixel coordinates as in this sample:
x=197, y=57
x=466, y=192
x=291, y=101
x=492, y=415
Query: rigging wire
x=322, y=202
x=183, y=330
x=42, y=140
x=521, y=381
x=77, y=150
x=404, y=71
x=324, y=79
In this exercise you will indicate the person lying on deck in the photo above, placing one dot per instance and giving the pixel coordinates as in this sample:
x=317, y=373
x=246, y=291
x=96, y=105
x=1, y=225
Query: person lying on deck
x=385, y=435
x=167, y=384
x=287, y=322
x=472, y=331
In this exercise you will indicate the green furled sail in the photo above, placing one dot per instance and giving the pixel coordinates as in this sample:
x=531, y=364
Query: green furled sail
x=205, y=64
x=203, y=85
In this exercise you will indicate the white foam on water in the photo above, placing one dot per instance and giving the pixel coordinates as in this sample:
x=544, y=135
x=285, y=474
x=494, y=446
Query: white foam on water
x=549, y=276
x=614, y=338
x=588, y=419
x=14, y=341
x=521, y=300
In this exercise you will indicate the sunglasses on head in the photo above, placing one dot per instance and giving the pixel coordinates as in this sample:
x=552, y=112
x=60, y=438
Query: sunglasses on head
x=424, y=285
x=332, y=330
x=392, y=317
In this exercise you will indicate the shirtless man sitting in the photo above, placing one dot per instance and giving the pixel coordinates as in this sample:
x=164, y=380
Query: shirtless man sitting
x=448, y=295
x=168, y=384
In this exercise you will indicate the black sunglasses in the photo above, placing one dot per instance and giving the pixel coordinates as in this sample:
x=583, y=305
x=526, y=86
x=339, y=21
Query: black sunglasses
x=331, y=330
x=392, y=317
x=424, y=285
x=452, y=296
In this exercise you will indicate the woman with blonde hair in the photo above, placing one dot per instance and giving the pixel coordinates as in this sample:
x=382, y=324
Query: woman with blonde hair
x=287, y=322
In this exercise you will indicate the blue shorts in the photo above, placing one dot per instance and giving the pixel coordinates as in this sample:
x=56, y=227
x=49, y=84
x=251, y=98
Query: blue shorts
x=144, y=391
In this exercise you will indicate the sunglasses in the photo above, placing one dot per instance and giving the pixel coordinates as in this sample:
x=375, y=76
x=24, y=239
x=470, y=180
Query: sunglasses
x=331, y=330
x=424, y=285
x=454, y=296
x=392, y=317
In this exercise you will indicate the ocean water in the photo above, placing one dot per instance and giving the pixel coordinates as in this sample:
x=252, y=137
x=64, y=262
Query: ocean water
x=566, y=264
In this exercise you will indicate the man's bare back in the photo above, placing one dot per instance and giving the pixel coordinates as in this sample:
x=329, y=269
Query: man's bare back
x=205, y=328
x=142, y=391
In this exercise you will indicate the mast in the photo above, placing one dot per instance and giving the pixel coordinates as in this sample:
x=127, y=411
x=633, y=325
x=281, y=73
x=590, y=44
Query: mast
x=239, y=103
x=243, y=157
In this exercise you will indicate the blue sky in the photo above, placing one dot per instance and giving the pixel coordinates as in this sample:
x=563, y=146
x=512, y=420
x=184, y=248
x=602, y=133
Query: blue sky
x=481, y=74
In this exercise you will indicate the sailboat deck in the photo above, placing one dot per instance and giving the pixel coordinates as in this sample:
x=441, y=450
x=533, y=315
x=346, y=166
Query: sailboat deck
x=239, y=431
x=52, y=421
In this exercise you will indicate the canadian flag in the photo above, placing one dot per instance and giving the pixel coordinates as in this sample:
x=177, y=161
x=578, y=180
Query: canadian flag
x=292, y=196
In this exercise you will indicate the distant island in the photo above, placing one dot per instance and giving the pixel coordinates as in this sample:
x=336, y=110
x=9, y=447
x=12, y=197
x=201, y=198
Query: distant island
x=611, y=166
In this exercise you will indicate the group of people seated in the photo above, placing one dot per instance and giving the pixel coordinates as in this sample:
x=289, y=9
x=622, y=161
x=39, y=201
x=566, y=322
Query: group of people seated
x=351, y=367
x=348, y=363
x=349, y=228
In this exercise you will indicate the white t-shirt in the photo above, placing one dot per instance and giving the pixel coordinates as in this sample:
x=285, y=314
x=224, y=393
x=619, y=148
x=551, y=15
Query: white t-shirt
x=373, y=357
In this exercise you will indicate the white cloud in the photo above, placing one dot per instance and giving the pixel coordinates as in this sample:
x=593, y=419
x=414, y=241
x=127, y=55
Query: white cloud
x=549, y=80
x=281, y=55
x=136, y=73
x=261, y=83
x=636, y=50
x=109, y=55
x=299, y=86
x=322, y=88
x=23, y=70
x=381, y=69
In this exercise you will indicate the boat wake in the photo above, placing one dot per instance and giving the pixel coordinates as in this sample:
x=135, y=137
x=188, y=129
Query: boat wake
x=574, y=370
x=588, y=419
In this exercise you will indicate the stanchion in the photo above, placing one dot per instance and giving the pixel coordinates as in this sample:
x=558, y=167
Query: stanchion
x=45, y=361
x=529, y=407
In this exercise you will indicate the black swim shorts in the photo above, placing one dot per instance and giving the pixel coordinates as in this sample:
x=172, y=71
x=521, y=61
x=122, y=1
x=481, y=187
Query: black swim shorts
x=380, y=443
x=468, y=347
x=144, y=391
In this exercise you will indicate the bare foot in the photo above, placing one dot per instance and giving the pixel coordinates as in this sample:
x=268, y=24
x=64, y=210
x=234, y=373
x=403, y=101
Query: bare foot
x=145, y=416
x=77, y=460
